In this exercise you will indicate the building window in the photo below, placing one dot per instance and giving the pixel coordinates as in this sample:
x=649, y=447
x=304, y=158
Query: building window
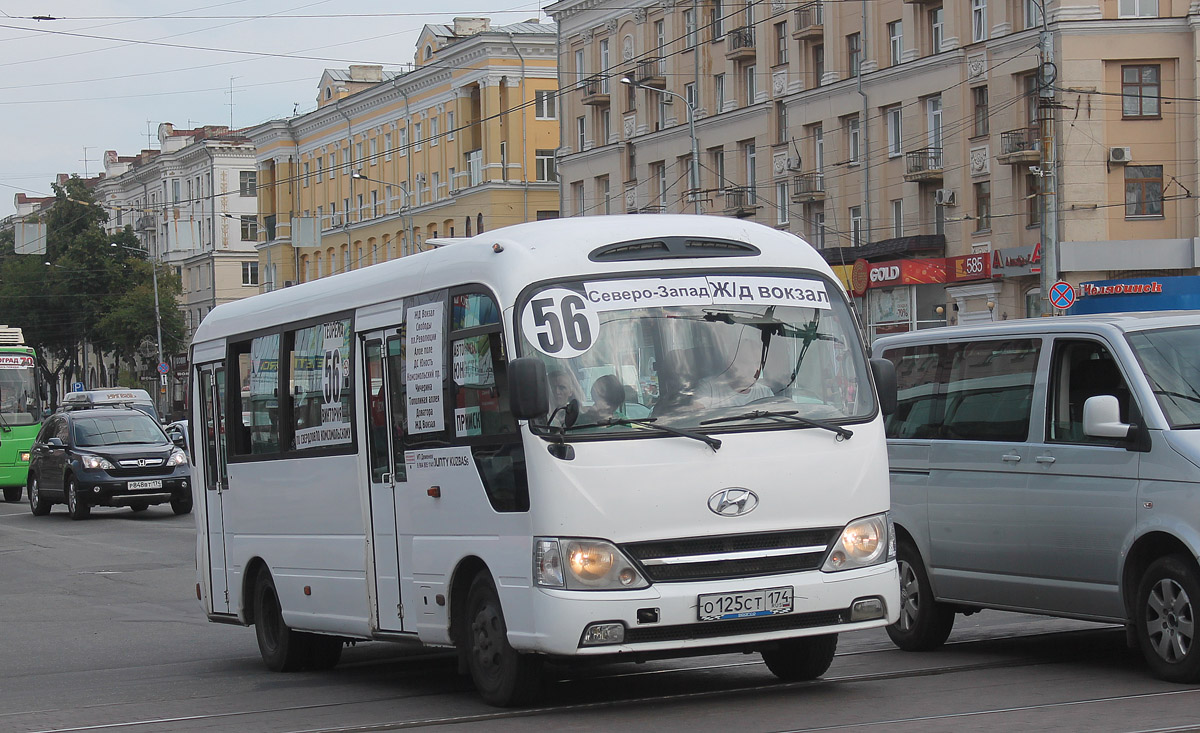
x=690, y=96
x=581, y=132
x=1143, y=191
x=979, y=95
x=979, y=21
x=544, y=166
x=374, y=203
x=450, y=125
x=175, y=190
x=818, y=54
x=603, y=191
x=249, y=273
x=1139, y=91
x=856, y=223
x=403, y=145
x=717, y=20
x=689, y=28
x=658, y=174
x=853, y=138
x=358, y=155
x=604, y=62
x=894, y=131
x=718, y=91
x=751, y=85
x=781, y=43
x=1033, y=204
x=247, y=183
x=937, y=29
x=817, y=220
x=781, y=131
x=605, y=119
x=305, y=177
x=781, y=203
x=249, y=228
x=1137, y=9
x=896, y=40
x=580, y=69
x=387, y=146
x=577, y=197
x=433, y=131
x=818, y=138
x=983, y=206
x=1033, y=13
x=898, y=218
x=853, y=53
x=416, y=136
x=751, y=157
x=717, y=155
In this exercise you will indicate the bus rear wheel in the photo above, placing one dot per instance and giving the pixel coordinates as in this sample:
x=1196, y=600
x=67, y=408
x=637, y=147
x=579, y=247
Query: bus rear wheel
x=282, y=649
x=807, y=658
x=12, y=493
x=503, y=676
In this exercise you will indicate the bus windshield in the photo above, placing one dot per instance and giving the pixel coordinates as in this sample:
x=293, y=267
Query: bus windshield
x=19, y=403
x=691, y=352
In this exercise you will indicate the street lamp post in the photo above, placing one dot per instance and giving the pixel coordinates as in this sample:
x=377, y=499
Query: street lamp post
x=691, y=117
x=406, y=211
x=157, y=312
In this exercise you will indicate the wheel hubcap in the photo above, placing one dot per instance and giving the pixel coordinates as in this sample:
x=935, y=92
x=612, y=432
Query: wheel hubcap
x=71, y=496
x=1170, y=621
x=909, y=597
x=486, y=629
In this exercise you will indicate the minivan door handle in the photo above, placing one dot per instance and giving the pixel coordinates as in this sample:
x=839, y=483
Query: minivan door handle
x=1045, y=459
x=1011, y=458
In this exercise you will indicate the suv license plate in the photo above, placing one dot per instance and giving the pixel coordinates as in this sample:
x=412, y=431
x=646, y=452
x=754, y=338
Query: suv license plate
x=744, y=604
x=141, y=485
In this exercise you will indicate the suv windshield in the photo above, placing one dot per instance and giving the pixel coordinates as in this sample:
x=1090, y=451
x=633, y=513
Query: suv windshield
x=690, y=350
x=1168, y=357
x=133, y=429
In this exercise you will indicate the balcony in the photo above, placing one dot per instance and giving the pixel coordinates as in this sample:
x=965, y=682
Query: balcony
x=923, y=165
x=810, y=22
x=652, y=72
x=808, y=188
x=741, y=201
x=1020, y=147
x=739, y=44
x=595, y=91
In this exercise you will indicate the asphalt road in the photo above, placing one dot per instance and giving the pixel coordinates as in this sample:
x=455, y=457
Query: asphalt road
x=100, y=631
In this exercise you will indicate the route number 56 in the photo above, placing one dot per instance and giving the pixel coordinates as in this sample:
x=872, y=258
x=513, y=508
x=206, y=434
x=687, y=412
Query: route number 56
x=560, y=323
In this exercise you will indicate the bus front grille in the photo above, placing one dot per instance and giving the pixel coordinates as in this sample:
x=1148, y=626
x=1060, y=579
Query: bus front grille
x=736, y=627
x=731, y=556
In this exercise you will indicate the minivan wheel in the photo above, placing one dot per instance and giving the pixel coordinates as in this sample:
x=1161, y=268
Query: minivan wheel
x=38, y=505
x=76, y=506
x=924, y=623
x=1166, y=605
x=807, y=658
x=12, y=493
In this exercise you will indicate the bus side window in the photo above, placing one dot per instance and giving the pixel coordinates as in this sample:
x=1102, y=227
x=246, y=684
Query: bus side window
x=395, y=371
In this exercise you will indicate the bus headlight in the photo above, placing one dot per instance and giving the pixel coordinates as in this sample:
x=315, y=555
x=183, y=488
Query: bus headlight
x=863, y=542
x=24, y=456
x=583, y=564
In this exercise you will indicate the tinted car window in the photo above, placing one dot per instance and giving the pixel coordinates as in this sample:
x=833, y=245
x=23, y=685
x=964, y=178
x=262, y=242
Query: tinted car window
x=118, y=430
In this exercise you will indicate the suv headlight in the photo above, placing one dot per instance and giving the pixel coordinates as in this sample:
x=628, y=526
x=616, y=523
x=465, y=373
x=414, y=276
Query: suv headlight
x=177, y=458
x=583, y=564
x=94, y=462
x=864, y=542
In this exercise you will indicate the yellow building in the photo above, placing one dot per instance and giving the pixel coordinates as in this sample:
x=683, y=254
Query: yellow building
x=461, y=144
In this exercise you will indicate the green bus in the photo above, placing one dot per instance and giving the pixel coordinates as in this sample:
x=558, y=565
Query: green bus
x=21, y=396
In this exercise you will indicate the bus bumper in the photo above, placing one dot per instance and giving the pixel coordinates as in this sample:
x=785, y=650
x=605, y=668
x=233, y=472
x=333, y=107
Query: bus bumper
x=664, y=617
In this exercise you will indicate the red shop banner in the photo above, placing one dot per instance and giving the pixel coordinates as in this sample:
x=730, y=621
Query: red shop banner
x=906, y=272
x=968, y=267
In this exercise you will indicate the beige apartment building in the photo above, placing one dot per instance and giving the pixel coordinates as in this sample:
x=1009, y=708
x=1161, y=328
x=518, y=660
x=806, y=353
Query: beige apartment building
x=902, y=136
x=461, y=144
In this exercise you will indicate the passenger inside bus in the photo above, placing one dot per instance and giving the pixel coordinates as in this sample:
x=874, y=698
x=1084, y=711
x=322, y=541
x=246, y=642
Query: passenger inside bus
x=608, y=399
x=564, y=387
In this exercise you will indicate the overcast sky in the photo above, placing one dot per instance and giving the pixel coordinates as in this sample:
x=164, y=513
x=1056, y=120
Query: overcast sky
x=108, y=72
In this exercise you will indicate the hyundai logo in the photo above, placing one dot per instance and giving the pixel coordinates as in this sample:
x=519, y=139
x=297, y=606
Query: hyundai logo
x=732, y=502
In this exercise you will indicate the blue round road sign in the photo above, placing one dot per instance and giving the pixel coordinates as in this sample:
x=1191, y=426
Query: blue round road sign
x=1062, y=295
x=163, y=368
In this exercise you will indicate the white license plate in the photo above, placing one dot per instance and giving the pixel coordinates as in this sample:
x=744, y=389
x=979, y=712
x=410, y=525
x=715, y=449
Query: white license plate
x=744, y=604
x=142, y=485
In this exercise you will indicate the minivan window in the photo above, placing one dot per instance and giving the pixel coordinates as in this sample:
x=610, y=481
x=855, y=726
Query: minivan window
x=981, y=390
x=1168, y=357
x=1082, y=369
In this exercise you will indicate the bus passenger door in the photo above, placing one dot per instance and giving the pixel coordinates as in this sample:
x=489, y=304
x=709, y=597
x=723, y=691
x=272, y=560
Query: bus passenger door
x=389, y=596
x=211, y=435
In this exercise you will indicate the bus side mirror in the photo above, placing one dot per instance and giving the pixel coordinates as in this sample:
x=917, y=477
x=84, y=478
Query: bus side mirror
x=884, y=372
x=529, y=393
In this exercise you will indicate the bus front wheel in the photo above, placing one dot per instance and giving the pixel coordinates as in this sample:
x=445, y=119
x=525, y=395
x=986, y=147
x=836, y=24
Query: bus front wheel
x=806, y=658
x=12, y=493
x=503, y=676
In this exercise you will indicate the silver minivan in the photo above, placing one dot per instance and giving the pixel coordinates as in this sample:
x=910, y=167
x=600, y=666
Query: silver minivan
x=1051, y=466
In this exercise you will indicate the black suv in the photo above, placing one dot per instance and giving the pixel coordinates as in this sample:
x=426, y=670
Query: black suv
x=115, y=456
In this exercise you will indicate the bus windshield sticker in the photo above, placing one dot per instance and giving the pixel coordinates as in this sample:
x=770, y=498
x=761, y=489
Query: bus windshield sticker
x=423, y=367
x=564, y=323
x=15, y=361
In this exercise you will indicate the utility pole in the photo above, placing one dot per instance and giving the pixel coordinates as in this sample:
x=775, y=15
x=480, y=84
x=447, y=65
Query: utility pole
x=1047, y=76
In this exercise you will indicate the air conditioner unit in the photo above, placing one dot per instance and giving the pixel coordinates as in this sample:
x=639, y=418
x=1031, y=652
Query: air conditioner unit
x=793, y=164
x=944, y=197
x=1119, y=155
x=288, y=283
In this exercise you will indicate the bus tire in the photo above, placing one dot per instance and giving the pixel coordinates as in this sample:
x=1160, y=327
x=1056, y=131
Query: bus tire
x=12, y=493
x=1165, y=619
x=77, y=506
x=324, y=652
x=37, y=503
x=503, y=676
x=282, y=649
x=806, y=658
x=924, y=623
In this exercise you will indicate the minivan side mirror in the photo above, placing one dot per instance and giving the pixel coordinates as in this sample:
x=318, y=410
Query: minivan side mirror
x=529, y=392
x=1102, y=418
x=884, y=372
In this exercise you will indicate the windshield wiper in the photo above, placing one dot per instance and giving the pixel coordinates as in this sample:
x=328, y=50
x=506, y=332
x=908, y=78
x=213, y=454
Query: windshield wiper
x=782, y=415
x=650, y=422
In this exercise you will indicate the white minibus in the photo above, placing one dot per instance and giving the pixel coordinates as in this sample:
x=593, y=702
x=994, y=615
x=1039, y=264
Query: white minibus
x=582, y=439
